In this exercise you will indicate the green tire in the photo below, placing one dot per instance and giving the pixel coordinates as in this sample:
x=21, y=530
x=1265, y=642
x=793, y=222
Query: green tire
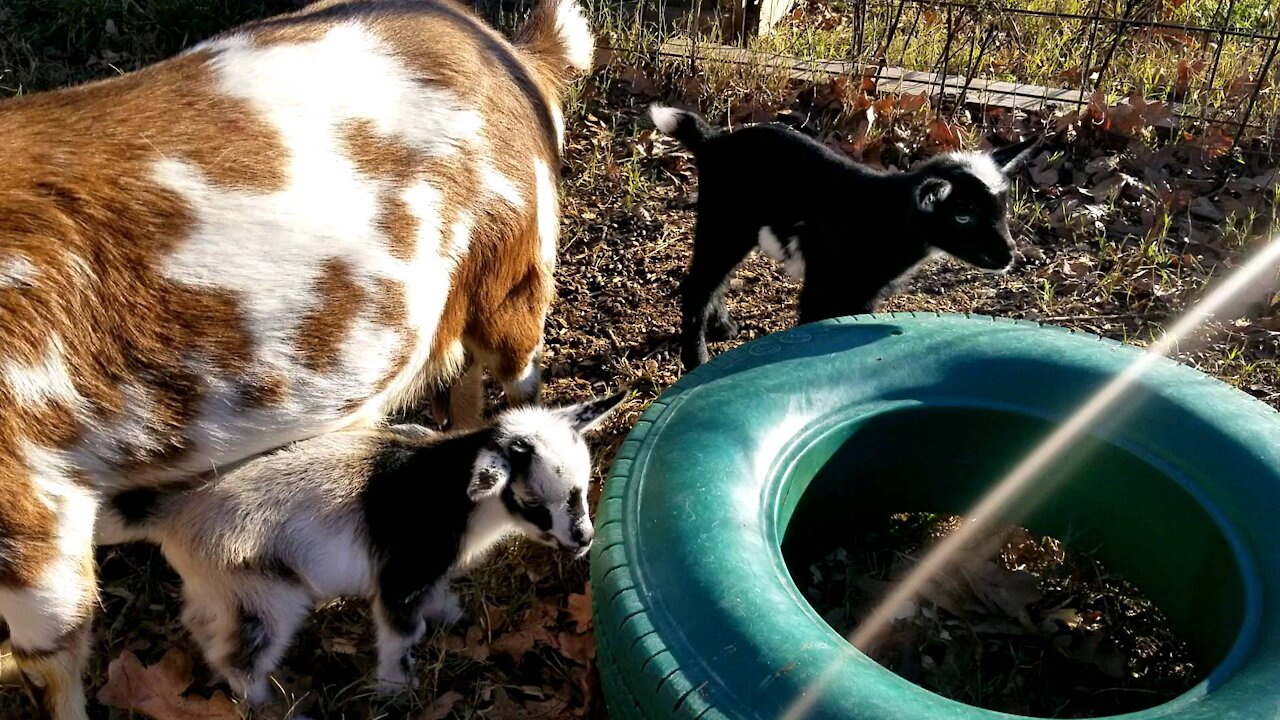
x=696, y=615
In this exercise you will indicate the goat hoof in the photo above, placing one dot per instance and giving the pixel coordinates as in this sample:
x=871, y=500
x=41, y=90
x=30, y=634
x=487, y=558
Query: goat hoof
x=692, y=361
x=388, y=687
x=723, y=330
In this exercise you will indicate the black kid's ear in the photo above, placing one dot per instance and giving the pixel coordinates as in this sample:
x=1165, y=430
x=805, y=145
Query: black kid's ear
x=1009, y=157
x=586, y=416
x=492, y=470
x=931, y=192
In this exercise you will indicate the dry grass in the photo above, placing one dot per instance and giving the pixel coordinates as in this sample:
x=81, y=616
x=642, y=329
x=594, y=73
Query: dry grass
x=1001, y=44
x=625, y=242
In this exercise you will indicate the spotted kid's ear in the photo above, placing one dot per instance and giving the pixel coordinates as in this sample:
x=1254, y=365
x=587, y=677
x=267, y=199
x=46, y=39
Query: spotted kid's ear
x=931, y=192
x=1009, y=157
x=491, y=471
x=519, y=456
x=586, y=416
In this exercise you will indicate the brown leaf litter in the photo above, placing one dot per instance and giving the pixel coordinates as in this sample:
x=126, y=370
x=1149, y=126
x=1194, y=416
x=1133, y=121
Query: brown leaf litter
x=1017, y=623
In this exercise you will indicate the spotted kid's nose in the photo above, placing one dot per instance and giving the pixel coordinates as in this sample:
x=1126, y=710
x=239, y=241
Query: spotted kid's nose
x=583, y=537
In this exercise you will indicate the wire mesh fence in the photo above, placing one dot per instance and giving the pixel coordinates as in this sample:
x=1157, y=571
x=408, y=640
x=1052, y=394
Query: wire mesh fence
x=1202, y=63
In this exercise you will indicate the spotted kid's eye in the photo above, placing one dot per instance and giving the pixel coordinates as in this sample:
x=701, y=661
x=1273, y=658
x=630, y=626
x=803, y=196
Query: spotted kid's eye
x=964, y=219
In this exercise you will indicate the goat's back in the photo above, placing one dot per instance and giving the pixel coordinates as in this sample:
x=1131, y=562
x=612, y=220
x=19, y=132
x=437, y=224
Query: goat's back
x=284, y=231
x=262, y=238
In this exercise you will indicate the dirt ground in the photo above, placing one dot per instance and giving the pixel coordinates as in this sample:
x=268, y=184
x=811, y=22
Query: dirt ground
x=526, y=650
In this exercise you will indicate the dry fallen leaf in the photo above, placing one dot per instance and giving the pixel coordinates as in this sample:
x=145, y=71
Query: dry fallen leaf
x=942, y=133
x=1097, y=110
x=752, y=112
x=578, y=648
x=1090, y=650
x=441, y=707
x=1069, y=618
x=637, y=82
x=580, y=609
x=504, y=707
x=1043, y=173
x=339, y=646
x=1202, y=207
x=868, y=82
x=157, y=690
x=912, y=103
x=531, y=631
x=1186, y=69
x=1070, y=76
x=691, y=89
x=476, y=646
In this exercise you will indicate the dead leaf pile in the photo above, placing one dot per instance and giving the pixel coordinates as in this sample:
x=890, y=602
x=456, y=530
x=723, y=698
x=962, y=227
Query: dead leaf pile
x=552, y=648
x=1017, y=623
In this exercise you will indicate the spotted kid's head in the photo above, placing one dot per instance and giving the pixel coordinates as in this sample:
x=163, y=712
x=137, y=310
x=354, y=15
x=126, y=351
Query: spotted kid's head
x=539, y=465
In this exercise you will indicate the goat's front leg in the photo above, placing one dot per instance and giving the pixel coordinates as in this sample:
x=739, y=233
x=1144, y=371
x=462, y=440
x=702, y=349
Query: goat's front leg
x=508, y=339
x=828, y=295
x=408, y=590
x=400, y=625
x=50, y=614
x=525, y=386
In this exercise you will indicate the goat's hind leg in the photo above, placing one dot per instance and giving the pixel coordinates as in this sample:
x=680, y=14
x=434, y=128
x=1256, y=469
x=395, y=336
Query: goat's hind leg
x=508, y=340
x=49, y=601
x=716, y=252
x=720, y=326
x=461, y=405
x=245, y=636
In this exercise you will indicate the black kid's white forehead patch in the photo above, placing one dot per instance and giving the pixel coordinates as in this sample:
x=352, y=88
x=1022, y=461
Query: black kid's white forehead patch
x=981, y=166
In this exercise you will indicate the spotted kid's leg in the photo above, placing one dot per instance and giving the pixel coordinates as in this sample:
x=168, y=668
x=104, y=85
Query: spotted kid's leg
x=400, y=627
x=265, y=637
x=211, y=618
x=443, y=607
x=244, y=640
x=48, y=592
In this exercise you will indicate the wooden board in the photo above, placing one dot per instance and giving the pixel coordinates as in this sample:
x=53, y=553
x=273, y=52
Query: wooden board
x=890, y=79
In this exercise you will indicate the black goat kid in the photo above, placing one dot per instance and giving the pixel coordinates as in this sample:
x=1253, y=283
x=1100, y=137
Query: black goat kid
x=847, y=231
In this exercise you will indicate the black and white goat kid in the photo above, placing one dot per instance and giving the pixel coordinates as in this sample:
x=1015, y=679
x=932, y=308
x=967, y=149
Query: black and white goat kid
x=390, y=514
x=847, y=231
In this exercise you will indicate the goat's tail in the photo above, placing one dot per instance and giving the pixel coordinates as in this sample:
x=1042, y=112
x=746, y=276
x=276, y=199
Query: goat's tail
x=688, y=128
x=558, y=37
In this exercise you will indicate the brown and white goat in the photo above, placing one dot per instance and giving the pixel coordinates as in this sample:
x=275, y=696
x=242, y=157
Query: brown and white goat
x=287, y=230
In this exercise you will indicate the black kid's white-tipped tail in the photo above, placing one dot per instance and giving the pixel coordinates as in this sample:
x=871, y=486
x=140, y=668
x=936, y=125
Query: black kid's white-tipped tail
x=688, y=128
